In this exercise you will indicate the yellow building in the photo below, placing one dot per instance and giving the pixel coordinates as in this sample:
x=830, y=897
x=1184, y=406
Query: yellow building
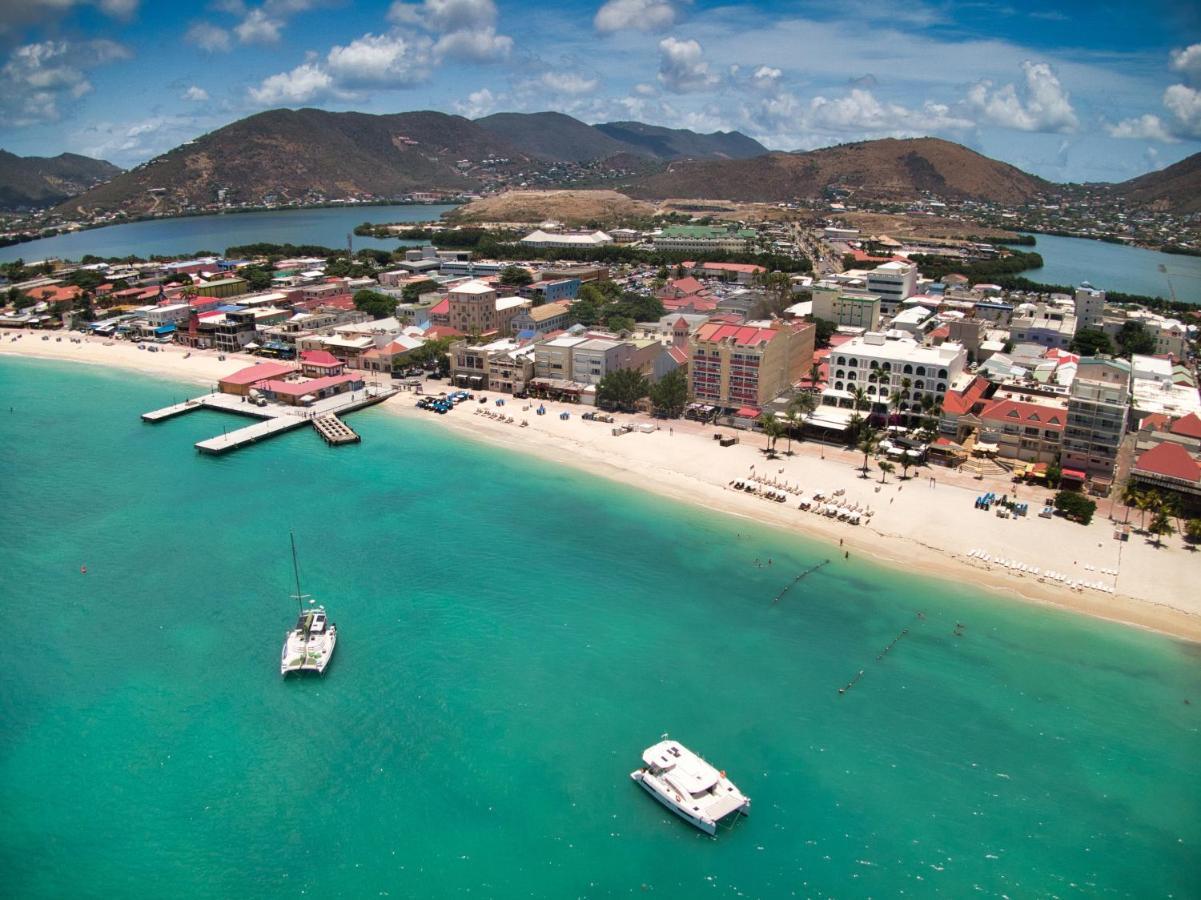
x=741, y=366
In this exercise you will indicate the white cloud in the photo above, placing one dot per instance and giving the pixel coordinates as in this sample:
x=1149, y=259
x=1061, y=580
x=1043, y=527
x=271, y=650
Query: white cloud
x=476, y=45
x=195, y=93
x=208, y=37
x=15, y=14
x=383, y=60
x=683, y=68
x=567, y=82
x=634, y=15
x=1046, y=106
x=460, y=29
x=1145, y=127
x=39, y=77
x=1187, y=61
x=478, y=103
x=1184, y=103
x=304, y=83
x=861, y=111
x=258, y=28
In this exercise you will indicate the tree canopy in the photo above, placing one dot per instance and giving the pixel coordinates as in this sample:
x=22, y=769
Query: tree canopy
x=1091, y=342
x=1134, y=338
x=1075, y=506
x=375, y=304
x=622, y=389
x=670, y=394
x=515, y=276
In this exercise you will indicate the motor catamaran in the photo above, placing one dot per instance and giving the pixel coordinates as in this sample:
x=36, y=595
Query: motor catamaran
x=309, y=646
x=689, y=786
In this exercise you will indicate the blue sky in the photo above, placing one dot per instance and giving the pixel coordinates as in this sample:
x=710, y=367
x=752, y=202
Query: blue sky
x=1072, y=91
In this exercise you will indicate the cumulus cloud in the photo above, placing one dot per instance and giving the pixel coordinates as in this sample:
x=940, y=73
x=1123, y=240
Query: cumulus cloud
x=208, y=37
x=476, y=45
x=566, y=82
x=15, y=14
x=1046, y=106
x=1181, y=103
x=861, y=111
x=634, y=15
x=195, y=93
x=381, y=60
x=683, y=68
x=38, y=78
x=1187, y=61
x=258, y=28
x=478, y=103
x=304, y=83
x=1184, y=103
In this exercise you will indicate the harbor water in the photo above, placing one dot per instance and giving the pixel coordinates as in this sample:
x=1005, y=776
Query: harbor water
x=326, y=227
x=512, y=636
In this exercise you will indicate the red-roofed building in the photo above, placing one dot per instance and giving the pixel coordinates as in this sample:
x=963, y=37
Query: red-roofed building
x=961, y=408
x=320, y=364
x=1031, y=432
x=443, y=331
x=1187, y=426
x=1172, y=470
x=303, y=393
x=440, y=312
x=241, y=381
x=743, y=273
x=692, y=303
x=744, y=365
x=680, y=287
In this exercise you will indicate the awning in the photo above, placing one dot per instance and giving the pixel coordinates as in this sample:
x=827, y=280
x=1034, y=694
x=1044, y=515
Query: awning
x=1073, y=475
x=748, y=412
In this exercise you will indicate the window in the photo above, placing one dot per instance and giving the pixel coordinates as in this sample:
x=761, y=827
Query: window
x=942, y=373
x=908, y=370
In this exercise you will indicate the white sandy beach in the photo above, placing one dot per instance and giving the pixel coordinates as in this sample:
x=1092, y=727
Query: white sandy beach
x=922, y=528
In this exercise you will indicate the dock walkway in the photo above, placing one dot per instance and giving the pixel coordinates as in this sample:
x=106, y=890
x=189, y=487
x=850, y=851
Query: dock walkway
x=334, y=430
x=251, y=434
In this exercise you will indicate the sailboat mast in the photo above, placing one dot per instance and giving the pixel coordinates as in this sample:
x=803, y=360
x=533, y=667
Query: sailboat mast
x=296, y=571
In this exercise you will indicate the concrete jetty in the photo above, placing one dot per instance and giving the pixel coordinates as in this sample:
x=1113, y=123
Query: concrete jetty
x=334, y=430
x=276, y=418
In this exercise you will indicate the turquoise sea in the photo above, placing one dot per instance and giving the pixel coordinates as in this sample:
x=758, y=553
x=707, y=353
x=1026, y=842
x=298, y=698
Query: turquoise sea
x=1116, y=268
x=513, y=634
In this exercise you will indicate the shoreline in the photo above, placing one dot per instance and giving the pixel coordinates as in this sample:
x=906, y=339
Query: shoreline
x=681, y=461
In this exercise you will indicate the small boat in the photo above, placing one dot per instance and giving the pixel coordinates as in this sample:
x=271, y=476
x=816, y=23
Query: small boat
x=309, y=646
x=689, y=786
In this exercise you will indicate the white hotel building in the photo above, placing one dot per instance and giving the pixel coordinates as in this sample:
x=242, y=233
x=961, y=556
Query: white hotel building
x=879, y=364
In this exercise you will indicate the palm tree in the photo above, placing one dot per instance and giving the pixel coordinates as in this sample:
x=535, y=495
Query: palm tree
x=894, y=400
x=1161, y=524
x=867, y=444
x=772, y=429
x=1130, y=497
x=801, y=407
x=815, y=373
x=1148, y=501
x=790, y=416
x=859, y=398
x=885, y=468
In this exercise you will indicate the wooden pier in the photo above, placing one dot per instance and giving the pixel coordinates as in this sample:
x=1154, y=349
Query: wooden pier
x=251, y=434
x=335, y=431
x=170, y=412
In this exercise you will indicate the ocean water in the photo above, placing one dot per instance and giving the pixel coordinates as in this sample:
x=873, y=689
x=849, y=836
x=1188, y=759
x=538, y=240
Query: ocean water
x=512, y=635
x=326, y=227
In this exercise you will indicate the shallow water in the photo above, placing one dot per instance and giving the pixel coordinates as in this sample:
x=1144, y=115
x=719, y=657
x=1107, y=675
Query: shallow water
x=513, y=634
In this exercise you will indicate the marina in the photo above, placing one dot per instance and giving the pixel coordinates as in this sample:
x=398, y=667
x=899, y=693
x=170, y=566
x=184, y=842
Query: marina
x=276, y=418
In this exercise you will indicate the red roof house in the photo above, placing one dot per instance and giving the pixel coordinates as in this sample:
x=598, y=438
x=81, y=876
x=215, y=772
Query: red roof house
x=1168, y=460
x=1187, y=426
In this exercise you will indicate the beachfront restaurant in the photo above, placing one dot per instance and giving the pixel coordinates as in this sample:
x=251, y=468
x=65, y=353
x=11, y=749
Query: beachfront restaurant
x=308, y=391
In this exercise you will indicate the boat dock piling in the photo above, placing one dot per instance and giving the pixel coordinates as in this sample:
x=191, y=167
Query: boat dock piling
x=334, y=430
x=792, y=584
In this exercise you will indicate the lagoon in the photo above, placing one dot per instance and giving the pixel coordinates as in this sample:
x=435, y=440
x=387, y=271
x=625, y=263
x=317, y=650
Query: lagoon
x=1116, y=267
x=512, y=635
x=327, y=227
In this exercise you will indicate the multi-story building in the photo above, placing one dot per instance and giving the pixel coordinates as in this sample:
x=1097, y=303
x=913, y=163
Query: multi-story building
x=549, y=291
x=1098, y=406
x=542, y=319
x=578, y=240
x=1047, y=326
x=1090, y=307
x=855, y=309
x=1171, y=336
x=747, y=366
x=880, y=365
x=476, y=309
x=553, y=358
x=892, y=282
x=1028, y=429
x=702, y=239
x=511, y=370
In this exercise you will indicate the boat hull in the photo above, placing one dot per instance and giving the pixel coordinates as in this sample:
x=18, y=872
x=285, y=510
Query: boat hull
x=302, y=664
x=656, y=789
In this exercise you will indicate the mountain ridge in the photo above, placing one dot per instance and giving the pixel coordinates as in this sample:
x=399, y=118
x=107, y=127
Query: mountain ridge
x=30, y=182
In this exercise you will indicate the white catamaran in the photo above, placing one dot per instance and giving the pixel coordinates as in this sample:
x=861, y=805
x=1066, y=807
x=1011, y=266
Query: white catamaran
x=689, y=786
x=310, y=645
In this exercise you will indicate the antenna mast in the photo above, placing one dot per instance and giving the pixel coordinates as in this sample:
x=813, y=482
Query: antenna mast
x=296, y=571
